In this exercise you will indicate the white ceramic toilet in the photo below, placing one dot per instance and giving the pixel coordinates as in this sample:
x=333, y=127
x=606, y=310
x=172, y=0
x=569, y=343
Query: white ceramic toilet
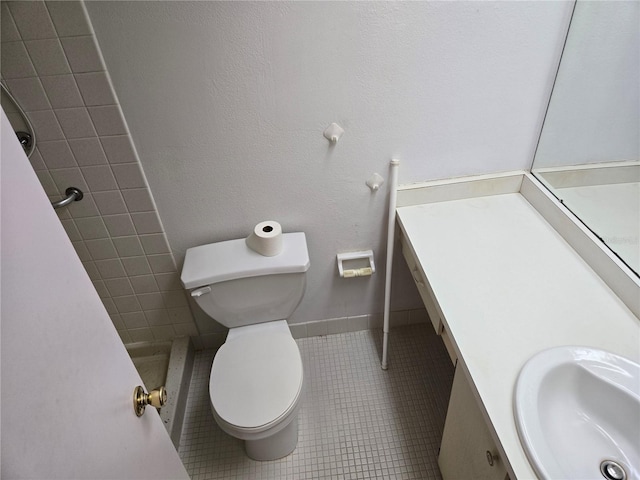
x=256, y=376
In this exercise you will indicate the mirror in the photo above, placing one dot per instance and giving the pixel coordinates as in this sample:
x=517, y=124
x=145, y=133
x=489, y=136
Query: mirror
x=19, y=121
x=589, y=147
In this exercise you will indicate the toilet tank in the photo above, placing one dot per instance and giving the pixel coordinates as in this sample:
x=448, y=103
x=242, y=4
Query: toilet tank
x=236, y=286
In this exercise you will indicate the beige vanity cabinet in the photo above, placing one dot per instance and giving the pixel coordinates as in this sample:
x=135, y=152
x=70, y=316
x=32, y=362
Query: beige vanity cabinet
x=467, y=451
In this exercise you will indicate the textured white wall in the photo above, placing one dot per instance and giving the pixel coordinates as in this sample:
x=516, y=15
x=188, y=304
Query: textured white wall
x=594, y=115
x=227, y=101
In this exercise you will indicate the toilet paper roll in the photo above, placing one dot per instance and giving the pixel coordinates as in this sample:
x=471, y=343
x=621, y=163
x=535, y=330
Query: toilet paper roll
x=266, y=238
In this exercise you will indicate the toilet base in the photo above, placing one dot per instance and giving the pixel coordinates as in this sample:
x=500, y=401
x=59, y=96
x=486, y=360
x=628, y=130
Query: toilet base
x=276, y=446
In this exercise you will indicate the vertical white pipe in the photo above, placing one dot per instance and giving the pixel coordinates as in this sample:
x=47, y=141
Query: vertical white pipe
x=393, y=193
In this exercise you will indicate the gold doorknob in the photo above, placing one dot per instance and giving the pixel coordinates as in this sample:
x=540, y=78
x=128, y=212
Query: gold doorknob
x=156, y=398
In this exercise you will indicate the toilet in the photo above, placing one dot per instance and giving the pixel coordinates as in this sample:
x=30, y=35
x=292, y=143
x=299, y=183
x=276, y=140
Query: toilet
x=256, y=377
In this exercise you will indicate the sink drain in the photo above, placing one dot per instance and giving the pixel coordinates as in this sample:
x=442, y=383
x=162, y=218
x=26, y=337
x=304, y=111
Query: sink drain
x=612, y=470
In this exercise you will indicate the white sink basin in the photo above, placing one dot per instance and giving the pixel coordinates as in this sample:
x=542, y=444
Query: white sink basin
x=577, y=411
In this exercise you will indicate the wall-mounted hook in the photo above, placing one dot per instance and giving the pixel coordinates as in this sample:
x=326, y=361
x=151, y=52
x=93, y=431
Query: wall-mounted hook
x=333, y=133
x=374, y=182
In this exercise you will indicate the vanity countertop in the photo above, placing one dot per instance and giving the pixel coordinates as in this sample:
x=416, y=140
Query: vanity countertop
x=508, y=286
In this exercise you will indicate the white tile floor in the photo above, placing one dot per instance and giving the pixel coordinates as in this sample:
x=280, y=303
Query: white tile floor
x=356, y=420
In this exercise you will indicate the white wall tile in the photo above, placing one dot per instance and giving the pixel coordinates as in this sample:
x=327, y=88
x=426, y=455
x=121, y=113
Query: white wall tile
x=48, y=57
x=71, y=229
x=162, y=263
x=165, y=332
x=154, y=244
x=298, y=330
x=62, y=91
x=138, y=200
x=32, y=19
x=49, y=186
x=117, y=320
x=101, y=289
x=316, y=328
x=110, y=203
x=110, y=268
x=143, y=283
x=185, y=329
x=118, y=287
x=46, y=125
x=61, y=213
x=152, y=301
x=92, y=270
x=174, y=299
x=146, y=222
x=15, y=61
x=91, y=228
x=99, y=178
x=95, y=88
x=180, y=315
x=141, y=335
x=119, y=225
x=82, y=251
x=128, y=246
x=8, y=30
x=124, y=335
x=138, y=266
x=108, y=120
x=357, y=323
x=337, y=325
x=82, y=54
x=157, y=317
x=69, y=18
x=134, y=320
x=29, y=93
x=119, y=149
x=69, y=177
x=57, y=154
x=14, y=116
x=129, y=175
x=101, y=248
x=75, y=122
x=127, y=304
x=36, y=160
x=84, y=208
x=88, y=151
x=168, y=281
x=376, y=320
x=110, y=306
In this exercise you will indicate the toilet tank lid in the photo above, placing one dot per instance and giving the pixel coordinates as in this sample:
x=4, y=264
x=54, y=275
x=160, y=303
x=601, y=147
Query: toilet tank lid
x=233, y=259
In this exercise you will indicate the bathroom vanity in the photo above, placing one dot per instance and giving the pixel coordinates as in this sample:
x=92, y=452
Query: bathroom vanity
x=500, y=284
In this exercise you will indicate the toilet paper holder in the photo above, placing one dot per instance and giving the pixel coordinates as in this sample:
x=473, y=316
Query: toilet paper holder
x=358, y=258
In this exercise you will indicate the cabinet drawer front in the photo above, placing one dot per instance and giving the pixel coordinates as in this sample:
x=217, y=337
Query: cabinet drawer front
x=422, y=284
x=446, y=339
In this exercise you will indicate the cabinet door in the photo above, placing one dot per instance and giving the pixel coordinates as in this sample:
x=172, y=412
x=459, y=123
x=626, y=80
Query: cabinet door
x=466, y=439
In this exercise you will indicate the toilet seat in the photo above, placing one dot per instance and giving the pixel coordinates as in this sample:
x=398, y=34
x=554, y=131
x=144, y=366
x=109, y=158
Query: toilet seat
x=256, y=380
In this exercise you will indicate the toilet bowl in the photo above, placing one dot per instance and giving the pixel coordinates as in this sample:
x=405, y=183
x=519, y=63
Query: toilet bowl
x=257, y=376
x=255, y=388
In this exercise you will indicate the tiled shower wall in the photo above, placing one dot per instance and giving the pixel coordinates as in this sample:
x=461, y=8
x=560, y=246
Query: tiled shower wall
x=52, y=65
